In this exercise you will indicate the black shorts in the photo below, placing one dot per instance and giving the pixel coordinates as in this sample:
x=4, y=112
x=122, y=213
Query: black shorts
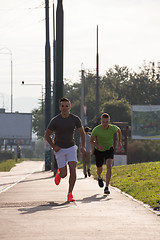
x=102, y=156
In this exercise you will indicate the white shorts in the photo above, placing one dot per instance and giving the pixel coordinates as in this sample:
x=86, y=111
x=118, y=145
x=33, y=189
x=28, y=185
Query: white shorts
x=65, y=155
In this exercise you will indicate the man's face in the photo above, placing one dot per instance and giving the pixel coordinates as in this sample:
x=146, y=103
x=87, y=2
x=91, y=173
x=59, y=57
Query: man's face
x=105, y=122
x=65, y=107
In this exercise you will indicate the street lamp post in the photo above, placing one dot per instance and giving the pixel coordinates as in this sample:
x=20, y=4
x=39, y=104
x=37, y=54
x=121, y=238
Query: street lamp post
x=10, y=53
x=97, y=82
x=47, y=87
x=35, y=84
x=82, y=94
x=59, y=55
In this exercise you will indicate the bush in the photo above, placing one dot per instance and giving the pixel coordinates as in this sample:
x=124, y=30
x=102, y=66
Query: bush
x=143, y=151
x=28, y=153
x=4, y=155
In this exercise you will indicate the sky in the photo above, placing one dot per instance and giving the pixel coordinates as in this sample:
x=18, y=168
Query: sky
x=128, y=35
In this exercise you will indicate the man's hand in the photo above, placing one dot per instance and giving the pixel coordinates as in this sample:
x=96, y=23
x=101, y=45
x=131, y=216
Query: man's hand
x=100, y=147
x=83, y=149
x=119, y=145
x=56, y=148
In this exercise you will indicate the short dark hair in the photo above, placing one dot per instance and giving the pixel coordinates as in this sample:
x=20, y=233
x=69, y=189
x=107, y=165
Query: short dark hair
x=63, y=99
x=105, y=115
x=86, y=129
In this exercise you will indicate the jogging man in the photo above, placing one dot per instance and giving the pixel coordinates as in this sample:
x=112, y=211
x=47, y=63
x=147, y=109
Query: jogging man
x=86, y=157
x=102, y=140
x=65, y=150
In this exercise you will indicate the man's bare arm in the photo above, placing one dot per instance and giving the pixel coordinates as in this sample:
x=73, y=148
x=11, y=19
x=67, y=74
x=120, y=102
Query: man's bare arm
x=83, y=139
x=119, y=136
x=48, y=138
x=93, y=141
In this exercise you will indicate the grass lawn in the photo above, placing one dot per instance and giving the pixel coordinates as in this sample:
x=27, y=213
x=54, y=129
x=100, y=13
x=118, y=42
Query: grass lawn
x=6, y=165
x=141, y=181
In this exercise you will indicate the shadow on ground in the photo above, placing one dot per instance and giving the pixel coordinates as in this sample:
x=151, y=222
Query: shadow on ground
x=55, y=205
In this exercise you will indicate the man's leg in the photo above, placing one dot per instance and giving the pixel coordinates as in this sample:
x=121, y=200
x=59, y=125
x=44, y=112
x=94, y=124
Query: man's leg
x=100, y=179
x=63, y=172
x=84, y=163
x=62, y=168
x=99, y=164
x=109, y=163
x=88, y=163
x=99, y=171
x=88, y=160
x=72, y=177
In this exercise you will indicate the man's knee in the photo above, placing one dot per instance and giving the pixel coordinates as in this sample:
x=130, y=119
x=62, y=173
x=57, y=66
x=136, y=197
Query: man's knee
x=63, y=172
x=109, y=163
x=99, y=169
x=72, y=166
x=109, y=166
x=63, y=175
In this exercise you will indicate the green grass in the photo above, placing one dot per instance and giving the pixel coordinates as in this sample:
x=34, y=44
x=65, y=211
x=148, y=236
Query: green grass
x=141, y=181
x=6, y=165
x=79, y=165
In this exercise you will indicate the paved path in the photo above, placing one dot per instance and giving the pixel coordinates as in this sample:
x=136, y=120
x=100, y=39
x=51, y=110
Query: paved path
x=35, y=208
x=18, y=173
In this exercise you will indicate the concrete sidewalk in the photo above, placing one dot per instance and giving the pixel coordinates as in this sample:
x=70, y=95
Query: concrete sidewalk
x=35, y=208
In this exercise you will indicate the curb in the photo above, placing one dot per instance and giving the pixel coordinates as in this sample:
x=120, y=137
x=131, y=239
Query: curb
x=138, y=201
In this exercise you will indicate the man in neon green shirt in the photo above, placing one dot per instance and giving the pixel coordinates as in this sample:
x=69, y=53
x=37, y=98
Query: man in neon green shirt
x=102, y=140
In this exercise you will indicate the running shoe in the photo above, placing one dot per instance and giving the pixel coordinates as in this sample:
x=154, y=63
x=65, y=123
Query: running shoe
x=100, y=182
x=70, y=197
x=57, y=178
x=89, y=173
x=106, y=190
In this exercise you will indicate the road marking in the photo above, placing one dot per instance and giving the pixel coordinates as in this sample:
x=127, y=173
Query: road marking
x=21, y=179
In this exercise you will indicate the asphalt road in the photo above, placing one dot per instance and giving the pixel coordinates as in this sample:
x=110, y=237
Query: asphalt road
x=33, y=207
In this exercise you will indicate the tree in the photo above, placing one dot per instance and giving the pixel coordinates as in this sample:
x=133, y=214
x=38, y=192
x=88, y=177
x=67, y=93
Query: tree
x=119, y=89
x=38, y=122
x=119, y=110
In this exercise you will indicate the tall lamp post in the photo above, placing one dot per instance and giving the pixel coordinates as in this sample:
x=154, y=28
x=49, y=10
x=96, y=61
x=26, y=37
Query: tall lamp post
x=54, y=64
x=97, y=82
x=82, y=94
x=35, y=84
x=59, y=55
x=47, y=87
x=10, y=53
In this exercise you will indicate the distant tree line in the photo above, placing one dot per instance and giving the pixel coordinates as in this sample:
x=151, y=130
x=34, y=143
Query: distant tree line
x=119, y=89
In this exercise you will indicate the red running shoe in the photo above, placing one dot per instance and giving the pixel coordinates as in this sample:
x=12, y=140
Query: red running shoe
x=70, y=197
x=57, y=178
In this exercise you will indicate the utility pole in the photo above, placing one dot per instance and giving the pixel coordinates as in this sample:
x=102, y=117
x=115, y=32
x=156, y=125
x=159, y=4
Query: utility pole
x=54, y=62
x=47, y=87
x=53, y=159
x=11, y=84
x=97, y=82
x=82, y=95
x=59, y=55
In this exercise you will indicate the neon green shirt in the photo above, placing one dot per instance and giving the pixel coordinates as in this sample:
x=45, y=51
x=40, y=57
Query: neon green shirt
x=105, y=136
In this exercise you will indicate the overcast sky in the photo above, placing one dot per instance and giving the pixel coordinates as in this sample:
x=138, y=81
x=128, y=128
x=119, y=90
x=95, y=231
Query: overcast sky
x=128, y=35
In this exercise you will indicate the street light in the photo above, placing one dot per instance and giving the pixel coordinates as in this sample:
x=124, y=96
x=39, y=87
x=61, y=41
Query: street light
x=10, y=53
x=35, y=84
x=82, y=93
x=97, y=82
